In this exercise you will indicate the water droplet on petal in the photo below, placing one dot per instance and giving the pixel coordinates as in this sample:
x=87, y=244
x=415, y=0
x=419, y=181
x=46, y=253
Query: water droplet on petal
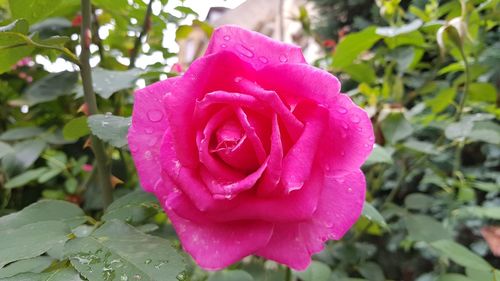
x=283, y=58
x=237, y=79
x=355, y=119
x=152, y=141
x=359, y=129
x=263, y=60
x=343, y=134
x=349, y=189
x=345, y=125
x=223, y=46
x=244, y=51
x=342, y=110
x=148, y=131
x=155, y=115
x=148, y=155
x=342, y=153
x=371, y=138
x=227, y=37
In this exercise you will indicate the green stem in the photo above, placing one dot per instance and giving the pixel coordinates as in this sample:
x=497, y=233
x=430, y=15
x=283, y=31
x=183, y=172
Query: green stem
x=466, y=86
x=102, y=160
x=288, y=274
x=145, y=28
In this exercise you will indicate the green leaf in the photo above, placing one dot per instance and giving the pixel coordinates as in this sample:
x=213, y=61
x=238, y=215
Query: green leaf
x=110, y=128
x=76, y=128
x=51, y=87
x=117, y=250
x=479, y=212
x=395, y=31
x=352, y=45
x=24, y=155
x=34, y=265
x=403, y=56
x=230, y=275
x=317, y=271
x=442, y=100
x=5, y=149
x=33, y=11
x=107, y=82
x=379, y=155
x=484, y=92
x=61, y=274
x=21, y=133
x=12, y=46
x=486, y=131
x=133, y=208
x=419, y=201
x=461, y=255
x=186, y=10
x=361, y=72
x=477, y=274
x=26, y=177
x=371, y=271
x=31, y=240
x=453, y=277
x=373, y=215
x=421, y=146
x=425, y=228
x=396, y=127
x=459, y=130
x=44, y=211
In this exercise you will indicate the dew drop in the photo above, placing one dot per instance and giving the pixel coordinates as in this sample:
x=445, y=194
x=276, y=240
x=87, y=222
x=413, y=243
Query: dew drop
x=148, y=261
x=124, y=277
x=349, y=189
x=148, y=155
x=263, y=60
x=345, y=125
x=237, y=79
x=371, y=138
x=343, y=134
x=283, y=58
x=355, y=119
x=155, y=115
x=223, y=46
x=342, y=153
x=244, y=51
x=342, y=110
x=148, y=131
x=133, y=148
x=226, y=37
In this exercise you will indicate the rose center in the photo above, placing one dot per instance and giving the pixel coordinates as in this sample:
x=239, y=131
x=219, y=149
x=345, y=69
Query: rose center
x=230, y=143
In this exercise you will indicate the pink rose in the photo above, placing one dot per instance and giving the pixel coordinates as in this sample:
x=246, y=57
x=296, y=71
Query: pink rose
x=252, y=151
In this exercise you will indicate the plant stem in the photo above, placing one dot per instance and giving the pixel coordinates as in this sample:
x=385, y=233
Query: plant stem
x=146, y=25
x=102, y=159
x=288, y=274
x=466, y=86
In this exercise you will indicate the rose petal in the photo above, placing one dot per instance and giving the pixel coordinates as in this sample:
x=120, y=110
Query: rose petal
x=272, y=174
x=253, y=47
x=205, y=75
x=217, y=245
x=251, y=134
x=340, y=205
x=145, y=133
x=213, y=165
x=298, y=162
x=296, y=82
x=349, y=136
x=271, y=99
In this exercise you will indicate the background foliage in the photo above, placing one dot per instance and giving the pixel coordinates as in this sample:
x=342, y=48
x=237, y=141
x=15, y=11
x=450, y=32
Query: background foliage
x=428, y=73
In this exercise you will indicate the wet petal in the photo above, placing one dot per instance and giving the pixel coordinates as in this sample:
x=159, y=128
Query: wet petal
x=252, y=47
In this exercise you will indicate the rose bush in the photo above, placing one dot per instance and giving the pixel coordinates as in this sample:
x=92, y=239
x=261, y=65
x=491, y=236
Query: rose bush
x=252, y=151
